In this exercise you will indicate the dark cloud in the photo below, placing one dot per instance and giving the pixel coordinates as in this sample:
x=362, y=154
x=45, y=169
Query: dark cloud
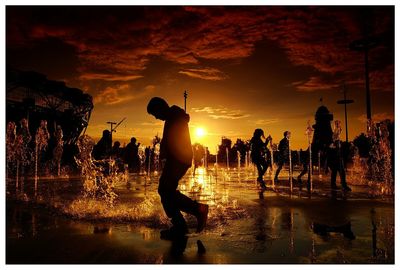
x=121, y=93
x=117, y=43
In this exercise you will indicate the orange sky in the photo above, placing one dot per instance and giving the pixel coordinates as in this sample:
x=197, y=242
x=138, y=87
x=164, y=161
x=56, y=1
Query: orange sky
x=243, y=67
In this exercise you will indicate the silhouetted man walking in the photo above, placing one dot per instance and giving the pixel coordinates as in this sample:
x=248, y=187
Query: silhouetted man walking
x=283, y=148
x=176, y=149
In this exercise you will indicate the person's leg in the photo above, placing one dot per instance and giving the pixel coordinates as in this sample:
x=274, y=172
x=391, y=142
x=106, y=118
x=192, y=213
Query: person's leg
x=343, y=182
x=174, y=201
x=167, y=190
x=280, y=164
x=261, y=168
x=334, y=170
x=183, y=202
x=303, y=172
x=264, y=167
x=187, y=205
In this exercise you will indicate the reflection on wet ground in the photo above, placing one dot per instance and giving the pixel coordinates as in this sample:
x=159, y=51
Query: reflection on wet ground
x=245, y=225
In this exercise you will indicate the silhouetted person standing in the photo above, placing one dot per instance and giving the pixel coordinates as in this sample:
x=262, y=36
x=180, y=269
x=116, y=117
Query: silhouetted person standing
x=176, y=149
x=328, y=144
x=198, y=155
x=116, y=150
x=102, y=149
x=131, y=155
x=258, y=152
x=283, y=148
x=336, y=164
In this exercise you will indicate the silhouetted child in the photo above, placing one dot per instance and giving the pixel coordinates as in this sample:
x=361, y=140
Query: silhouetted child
x=176, y=149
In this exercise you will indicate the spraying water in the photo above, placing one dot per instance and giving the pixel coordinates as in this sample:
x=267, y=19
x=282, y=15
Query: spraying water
x=100, y=176
x=58, y=149
x=309, y=132
x=10, y=142
x=227, y=158
x=380, y=169
x=41, y=140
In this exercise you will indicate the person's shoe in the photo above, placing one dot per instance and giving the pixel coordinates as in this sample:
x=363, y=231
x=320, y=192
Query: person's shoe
x=262, y=183
x=200, y=247
x=173, y=233
x=178, y=246
x=346, y=188
x=202, y=217
x=276, y=180
x=263, y=186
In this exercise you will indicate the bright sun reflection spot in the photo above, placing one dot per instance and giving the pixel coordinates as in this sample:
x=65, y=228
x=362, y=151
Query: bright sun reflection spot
x=200, y=132
x=200, y=176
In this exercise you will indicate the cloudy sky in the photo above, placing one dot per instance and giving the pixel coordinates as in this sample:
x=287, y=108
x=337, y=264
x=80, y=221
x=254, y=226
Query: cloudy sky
x=243, y=67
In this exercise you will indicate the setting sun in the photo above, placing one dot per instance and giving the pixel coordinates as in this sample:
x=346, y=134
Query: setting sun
x=200, y=132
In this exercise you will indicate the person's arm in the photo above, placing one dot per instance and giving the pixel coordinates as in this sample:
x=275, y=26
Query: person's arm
x=163, y=153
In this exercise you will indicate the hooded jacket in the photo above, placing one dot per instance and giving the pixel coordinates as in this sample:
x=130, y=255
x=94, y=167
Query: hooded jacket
x=175, y=144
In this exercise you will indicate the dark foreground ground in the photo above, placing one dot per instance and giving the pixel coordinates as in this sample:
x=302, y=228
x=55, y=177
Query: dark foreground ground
x=245, y=226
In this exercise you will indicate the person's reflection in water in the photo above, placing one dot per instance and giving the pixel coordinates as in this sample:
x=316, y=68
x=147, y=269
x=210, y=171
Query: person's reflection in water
x=201, y=249
x=334, y=195
x=287, y=225
x=175, y=252
x=178, y=246
x=101, y=230
x=260, y=222
x=324, y=230
x=373, y=223
x=261, y=194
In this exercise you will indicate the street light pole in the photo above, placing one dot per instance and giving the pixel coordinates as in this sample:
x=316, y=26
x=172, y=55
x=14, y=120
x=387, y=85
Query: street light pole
x=111, y=129
x=368, y=95
x=364, y=45
x=185, y=95
x=345, y=101
x=114, y=129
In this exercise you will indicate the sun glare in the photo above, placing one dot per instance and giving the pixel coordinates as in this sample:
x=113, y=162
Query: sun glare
x=200, y=132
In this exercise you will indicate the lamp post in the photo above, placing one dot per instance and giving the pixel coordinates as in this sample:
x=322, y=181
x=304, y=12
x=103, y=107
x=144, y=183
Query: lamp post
x=185, y=95
x=364, y=45
x=114, y=129
x=344, y=102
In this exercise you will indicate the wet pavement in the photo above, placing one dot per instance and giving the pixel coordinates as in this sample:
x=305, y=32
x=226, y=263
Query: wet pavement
x=245, y=225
